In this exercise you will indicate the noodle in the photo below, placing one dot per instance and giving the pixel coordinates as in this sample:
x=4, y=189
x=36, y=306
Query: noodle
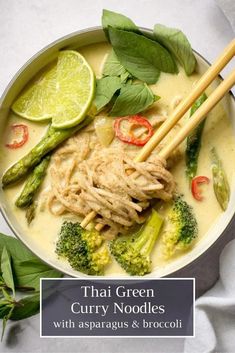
x=98, y=179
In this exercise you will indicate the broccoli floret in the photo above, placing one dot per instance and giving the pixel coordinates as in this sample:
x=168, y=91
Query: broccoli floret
x=182, y=227
x=133, y=252
x=85, y=250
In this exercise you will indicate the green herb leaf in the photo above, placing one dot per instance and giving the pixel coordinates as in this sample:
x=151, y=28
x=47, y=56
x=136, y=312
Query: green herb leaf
x=2, y=283
x=142, y=57
x=116, y=20
x=132, y=100
x=5, y=307
x=6, y=295
x=20, y=269
x=28, y=273
x=126, y=78
x=7, y=270
x=25, y=264
x=177, y=43
x=5, y=319
x=26, y=307
x=105, y=89
x=113, y=67
x=15, y=248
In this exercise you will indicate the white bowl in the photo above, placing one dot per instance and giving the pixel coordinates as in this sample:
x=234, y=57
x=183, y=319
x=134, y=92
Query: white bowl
x=37, y=62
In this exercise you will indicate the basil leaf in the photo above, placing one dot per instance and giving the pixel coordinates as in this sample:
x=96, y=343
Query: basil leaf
x=105, y=89
x=117, y=20
x=15, y=248
x=5, y=319
x=132, y=100
x=126, y=78
x=26, y=307
x=28, y=273
x=142, y=57
x=20, y=269
x=177, y=43
x=6, y=270
x=5, y=307
x=113, y=67
x=6, y=295
x=2, y=283
x=25, y=264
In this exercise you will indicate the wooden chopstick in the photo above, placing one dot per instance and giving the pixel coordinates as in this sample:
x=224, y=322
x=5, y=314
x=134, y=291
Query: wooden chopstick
x=199, y=115
x=186, y=103
x=178, y=113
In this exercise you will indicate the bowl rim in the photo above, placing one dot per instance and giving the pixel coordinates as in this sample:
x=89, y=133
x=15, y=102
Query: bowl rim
x=4, y=214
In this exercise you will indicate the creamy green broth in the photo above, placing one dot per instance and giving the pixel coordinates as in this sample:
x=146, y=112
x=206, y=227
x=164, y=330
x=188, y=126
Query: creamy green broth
x=43, y=231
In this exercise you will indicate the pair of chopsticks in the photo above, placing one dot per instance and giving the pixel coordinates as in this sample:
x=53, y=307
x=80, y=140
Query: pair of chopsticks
x=181, y=109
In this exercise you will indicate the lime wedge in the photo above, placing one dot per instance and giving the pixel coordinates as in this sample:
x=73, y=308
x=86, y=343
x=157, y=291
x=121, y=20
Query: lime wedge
x=63, y=94
x=75, y=87
x=36, y=102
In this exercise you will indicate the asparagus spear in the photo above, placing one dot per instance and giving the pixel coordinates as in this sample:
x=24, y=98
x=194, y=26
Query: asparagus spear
x=30, y=212
x=220, y=181
x=33, y=183
x=194, y=141
x=48, y=143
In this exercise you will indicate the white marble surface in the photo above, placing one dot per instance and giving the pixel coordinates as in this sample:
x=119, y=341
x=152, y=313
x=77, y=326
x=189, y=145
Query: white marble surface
x=27, y=26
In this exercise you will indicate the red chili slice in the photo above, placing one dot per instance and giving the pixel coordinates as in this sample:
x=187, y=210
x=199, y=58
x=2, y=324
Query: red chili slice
x=23, y=131
x=135, y=121
x=194, y=186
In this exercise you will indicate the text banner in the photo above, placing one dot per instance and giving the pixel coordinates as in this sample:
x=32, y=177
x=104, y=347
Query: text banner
x=79, y=307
